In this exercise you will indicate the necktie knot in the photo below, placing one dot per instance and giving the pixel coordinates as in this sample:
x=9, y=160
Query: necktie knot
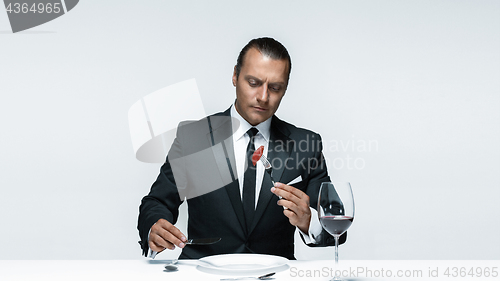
x=252, y=132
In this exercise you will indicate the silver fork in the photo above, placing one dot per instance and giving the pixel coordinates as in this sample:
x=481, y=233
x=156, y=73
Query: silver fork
x=263, y=277
x=267, y=166
x=269, y=170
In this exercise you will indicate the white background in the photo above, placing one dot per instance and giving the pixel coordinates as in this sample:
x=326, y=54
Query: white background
x=417, y=80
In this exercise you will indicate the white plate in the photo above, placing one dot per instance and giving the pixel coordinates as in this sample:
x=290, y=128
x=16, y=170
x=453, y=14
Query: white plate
x=236, y=264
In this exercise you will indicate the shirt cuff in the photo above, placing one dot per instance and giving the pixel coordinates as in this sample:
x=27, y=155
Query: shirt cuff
x=314, y=228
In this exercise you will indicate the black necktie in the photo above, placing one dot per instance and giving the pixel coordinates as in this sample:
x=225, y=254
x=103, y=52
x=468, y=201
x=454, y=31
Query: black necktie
x=249, y=180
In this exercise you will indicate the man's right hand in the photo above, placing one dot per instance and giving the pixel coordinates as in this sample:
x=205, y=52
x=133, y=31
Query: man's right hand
x=165, y=235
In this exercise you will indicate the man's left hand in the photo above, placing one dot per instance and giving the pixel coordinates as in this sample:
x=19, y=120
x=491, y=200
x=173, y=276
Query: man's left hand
x=296, y=205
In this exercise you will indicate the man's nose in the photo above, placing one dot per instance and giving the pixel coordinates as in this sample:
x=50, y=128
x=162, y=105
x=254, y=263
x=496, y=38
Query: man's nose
x=263, y=94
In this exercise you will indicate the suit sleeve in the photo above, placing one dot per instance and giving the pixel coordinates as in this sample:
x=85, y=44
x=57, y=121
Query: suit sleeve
x=317, y=173
x=162, y=202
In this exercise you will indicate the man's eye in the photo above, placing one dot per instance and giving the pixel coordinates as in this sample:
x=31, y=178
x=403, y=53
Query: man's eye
x=275, y=89
x=252, y=83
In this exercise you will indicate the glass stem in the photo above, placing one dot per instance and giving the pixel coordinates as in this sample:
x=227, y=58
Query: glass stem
x=336, y=250
x=335, y=277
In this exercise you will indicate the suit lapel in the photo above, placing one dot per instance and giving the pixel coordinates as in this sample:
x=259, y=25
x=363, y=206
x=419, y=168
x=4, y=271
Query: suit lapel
x=233, y=191
x=280, y=147
x=220, y=138
x=279, y=151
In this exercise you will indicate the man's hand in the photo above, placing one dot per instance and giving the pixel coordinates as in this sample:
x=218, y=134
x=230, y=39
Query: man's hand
x=296, y=203
x=165, y=235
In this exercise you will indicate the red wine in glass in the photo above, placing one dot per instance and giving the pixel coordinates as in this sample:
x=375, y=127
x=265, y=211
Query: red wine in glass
x=336, y=225
x=335, y=210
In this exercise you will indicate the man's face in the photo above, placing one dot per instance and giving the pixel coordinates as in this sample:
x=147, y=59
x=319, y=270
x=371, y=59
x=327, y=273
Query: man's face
x=260, y=86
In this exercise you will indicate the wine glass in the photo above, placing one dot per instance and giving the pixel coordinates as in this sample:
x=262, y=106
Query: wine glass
x=336, y=210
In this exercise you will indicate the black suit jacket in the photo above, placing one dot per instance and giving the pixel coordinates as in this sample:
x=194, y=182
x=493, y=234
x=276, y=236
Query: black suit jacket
x=293, y=151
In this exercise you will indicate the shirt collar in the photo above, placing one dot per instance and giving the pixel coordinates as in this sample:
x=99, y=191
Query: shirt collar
x=263, y=127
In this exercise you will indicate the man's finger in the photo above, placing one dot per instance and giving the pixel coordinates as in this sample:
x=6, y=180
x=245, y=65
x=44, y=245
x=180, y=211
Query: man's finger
x=169, y=233
x=293, y=207
x=287, y=204
x=283, y=193
x=292, y=217
x=166, y=239
x=157, y=244
x=290, y=193
x=295, y=191
x=169, y=237
x=176, y=232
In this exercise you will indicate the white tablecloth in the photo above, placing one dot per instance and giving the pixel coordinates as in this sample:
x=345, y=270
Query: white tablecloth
x=69, y=270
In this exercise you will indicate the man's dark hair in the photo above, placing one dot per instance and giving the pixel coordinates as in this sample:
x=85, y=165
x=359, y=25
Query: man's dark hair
x=267, y=47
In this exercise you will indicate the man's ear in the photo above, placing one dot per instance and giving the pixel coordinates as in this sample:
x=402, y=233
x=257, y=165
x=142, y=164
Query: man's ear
x=235, y=78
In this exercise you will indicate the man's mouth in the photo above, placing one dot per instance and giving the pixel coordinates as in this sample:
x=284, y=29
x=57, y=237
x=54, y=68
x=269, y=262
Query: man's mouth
x=258, y=108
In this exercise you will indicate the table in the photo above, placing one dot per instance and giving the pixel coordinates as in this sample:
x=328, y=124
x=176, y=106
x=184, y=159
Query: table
x=145, y=269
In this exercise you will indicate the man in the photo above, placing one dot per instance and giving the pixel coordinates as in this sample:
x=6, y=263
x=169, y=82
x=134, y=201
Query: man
x=242, y=211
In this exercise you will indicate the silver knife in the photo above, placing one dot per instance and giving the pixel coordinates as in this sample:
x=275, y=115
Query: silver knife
x=202, y=241
x=195, y=241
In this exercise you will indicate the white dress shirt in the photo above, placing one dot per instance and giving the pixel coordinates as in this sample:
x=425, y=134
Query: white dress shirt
x=240, y=143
